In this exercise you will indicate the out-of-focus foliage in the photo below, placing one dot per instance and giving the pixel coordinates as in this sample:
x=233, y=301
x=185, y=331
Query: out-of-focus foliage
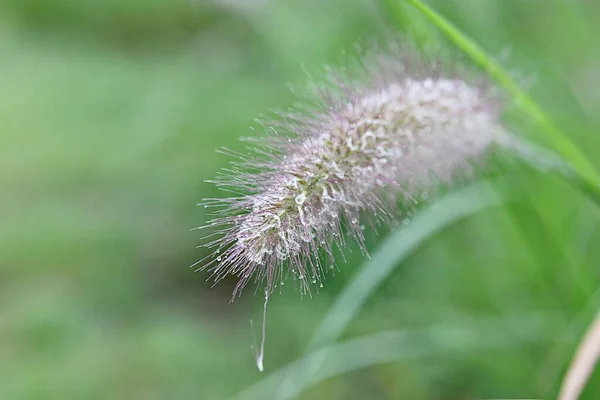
x=110, y=115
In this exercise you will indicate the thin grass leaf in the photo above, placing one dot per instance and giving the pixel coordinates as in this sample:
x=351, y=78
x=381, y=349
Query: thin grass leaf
x=583, y=363
x=551, y=364
x=396, y=248
x=457, y=338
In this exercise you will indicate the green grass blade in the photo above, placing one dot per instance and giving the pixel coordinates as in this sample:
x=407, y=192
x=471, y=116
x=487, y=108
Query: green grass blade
x=445, y=338
x=396, y=248
x=561, y=142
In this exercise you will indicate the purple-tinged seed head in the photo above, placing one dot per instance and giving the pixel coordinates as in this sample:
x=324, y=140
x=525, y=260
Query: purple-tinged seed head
x=392, y=132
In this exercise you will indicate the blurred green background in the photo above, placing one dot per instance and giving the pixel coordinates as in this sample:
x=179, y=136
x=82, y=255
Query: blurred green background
x=110, y=115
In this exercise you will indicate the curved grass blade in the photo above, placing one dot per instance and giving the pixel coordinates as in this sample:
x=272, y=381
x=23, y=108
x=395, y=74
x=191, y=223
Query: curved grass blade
x=583, y=363
x=396, y=248
x=456, y=338
x=373, y=272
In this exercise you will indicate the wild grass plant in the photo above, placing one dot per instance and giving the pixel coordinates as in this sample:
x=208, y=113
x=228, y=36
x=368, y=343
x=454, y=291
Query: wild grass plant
x=111, y=114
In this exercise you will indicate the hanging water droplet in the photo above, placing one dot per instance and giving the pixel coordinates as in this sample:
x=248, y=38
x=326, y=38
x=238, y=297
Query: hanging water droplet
x=219, y=258
x=314, y=280
x=362, y=227
x=320, y=284
x=354, y=221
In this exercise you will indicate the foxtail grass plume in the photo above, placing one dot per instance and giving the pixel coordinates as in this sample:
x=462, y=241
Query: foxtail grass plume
x=388, y=129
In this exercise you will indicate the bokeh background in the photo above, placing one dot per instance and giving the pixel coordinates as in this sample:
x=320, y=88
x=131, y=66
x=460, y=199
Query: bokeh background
x=110, y=115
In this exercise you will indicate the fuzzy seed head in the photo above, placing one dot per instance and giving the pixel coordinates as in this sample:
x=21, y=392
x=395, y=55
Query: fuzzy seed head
x=389, y=136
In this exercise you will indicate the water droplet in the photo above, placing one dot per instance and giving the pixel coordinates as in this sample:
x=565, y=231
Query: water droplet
x=314, y=280
x=300, y=198
x=406, y=221
x=331, y=266
x=354, y=221
x=219, y=258
x=320, y=285
x=362, y=227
